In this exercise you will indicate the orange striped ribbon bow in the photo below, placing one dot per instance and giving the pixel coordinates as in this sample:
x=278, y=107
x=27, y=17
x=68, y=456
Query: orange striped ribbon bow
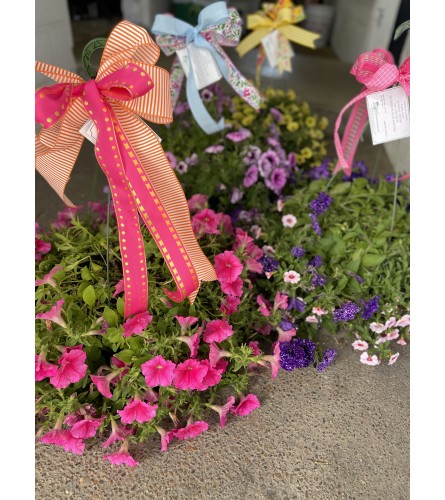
x=128, y=87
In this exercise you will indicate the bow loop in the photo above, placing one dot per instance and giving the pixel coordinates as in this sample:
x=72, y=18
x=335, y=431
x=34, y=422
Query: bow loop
x=227, y=33
x=368, y=63
x=51, y=103
x=126, y=83
x=404, y=76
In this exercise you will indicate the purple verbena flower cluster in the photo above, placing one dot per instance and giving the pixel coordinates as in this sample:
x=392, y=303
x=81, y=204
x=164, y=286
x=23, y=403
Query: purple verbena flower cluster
x=316, y=261
x=269, y=264
x=370, y=307
x=297, y=252
x=321, y=203
x=346, y=312
x=298, y=353
x=328, y=357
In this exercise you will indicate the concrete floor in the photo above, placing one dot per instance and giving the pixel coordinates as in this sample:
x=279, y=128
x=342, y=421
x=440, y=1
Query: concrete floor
x=341, y=434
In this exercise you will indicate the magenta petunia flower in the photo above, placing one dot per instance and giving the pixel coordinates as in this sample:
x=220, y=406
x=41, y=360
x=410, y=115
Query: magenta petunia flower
x=137, y=324
x=198, y=202
x=280, y=301
x=235, y=288
x=265, y=305
x=216, y=354
x=64, y=438
x=85, y=429
x=189, y=374
x=285, y=335
x=224, y=410
x=191, y=430
x=253, y=265
x=214, y=149
x=118, y=433
x=137, y=410
x=43, y=368
x=274, y=360
x=186, y=321
x=192, y=341
x=103, y=383
x=246, y=405
x=166, y=437
x=48, y=279
x=224, y=223
x=240, y=135
x=212, y=377
x=119, y=288
x=217, y=331
x=42, y=248
x=227, y=267
x=65, y=217
x=72, y=368
x=54, y=314
x=158, y=372
x=205, y=222
x=122, y=457
x=229, y=304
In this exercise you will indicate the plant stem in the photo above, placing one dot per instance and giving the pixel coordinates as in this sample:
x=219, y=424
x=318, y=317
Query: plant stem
x=330, y=180
x=108, y=249
x=396, y=184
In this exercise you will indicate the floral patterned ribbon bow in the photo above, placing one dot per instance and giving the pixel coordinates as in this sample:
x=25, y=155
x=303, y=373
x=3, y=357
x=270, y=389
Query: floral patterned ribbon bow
x=217, y=26
x=141, y=180
x=377, y=71
x=280, y=17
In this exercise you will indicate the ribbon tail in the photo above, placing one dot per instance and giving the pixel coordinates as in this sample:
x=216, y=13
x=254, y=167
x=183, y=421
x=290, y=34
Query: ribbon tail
x=354, y=127
x=176, y=80
x=176, y=240
x=299, y=35
x=57, y=74
x=252, y=40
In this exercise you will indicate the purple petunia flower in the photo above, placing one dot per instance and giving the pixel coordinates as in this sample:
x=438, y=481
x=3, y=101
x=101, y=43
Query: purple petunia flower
x=236, y=196
x=251, y=176
x=278, y=115
x=298, y=252
x=320, y=204
x=269, y=264
x=181, y=167
x=316, y=261
x=214, y=149
x=181, y=107
x=171, y=158
x=320, y=172
x=206, y=95
x=251, y=154
x=298, y=353
x=370, y=307
x=273, y=141
x=328, y=357
x=318, y=280
x=347, y=312
x=297, y=304
x=240, y=135
x=315, y=225
x=286, y=325
x=277, y=180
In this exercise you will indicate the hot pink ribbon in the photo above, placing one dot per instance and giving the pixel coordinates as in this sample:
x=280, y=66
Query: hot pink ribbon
x=377, y=71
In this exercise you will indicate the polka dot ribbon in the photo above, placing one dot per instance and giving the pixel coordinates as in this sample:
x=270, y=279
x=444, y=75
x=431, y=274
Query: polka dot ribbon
x=377, y=71
x=128, y=87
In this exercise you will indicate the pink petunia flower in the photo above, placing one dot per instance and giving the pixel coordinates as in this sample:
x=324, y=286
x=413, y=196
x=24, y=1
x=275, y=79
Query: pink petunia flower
x=217, y=331
x=280, y=205
x=192, y=341
x=404, y=320
x=158, y=372
x=393, y=358
x=229, y=304
x=360, y=345
x=48, y=279
x=390, y=323
x=227, y=267
x=366, y=359
x=246, y=405
x=241, y=135
x=286, y=335
x=387, y=336
x=205, y=222
x=377, y=327
x=43, y=368
x=191, y=430
x=198, y=202
x=87, y=428
x=291, y=277
x=119, y=288
x=224, y=410
x=137, y=410
x=65, y=217
x=280, y=301
x=103, y=383
x=254, y=266
x=212, y=377
x=224, y=223
x=265, y=305
x=289, y=220
x=137, y=324
x=319, y=311
x=214, y=149
x=401, y=341
x=274, y=360
x=72, y=368
x=189, y=374
x=166, y=437
x=122, y=457
x=235, y=288
x=54, y=314
x=61, y=437
x=118, y=433
x=312, y=319
x=186, y=322
x=42, y=248
x=216, y=354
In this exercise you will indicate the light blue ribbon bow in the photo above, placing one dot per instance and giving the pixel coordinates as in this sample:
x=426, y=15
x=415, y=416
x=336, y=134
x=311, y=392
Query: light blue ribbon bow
x=215, y=13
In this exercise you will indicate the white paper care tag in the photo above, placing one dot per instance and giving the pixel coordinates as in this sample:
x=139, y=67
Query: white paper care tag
x=388, y=113
x=89, y=131
x=270, y=45
x=205, y=69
